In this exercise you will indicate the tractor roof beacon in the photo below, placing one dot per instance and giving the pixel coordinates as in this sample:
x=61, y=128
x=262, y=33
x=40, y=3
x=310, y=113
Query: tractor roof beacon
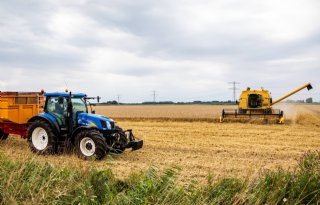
x=66, y=123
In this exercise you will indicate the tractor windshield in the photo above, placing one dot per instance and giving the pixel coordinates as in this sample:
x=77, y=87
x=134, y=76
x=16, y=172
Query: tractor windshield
x=78, y=105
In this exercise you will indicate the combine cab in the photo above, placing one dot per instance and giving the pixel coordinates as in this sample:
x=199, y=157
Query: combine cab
x=258, y=104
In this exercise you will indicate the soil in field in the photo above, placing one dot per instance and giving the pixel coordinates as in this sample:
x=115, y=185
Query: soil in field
x=201, y=147
x=176, y=112
x=209, y=113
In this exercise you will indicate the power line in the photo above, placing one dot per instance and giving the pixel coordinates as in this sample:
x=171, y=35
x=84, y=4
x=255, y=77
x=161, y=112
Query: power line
x=234, y=88
x=118, y=96
x=154, y=93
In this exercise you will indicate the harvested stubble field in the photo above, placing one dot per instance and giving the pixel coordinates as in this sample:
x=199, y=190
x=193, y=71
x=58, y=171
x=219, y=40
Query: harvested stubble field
x=188, y=136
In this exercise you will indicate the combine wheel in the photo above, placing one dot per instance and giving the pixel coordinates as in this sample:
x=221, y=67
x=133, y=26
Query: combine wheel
x=41, y=137
x=90, y=145
x=3, y=136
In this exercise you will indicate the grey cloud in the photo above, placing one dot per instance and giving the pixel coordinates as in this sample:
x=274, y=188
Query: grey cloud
x=35, y=58
x=163, y=44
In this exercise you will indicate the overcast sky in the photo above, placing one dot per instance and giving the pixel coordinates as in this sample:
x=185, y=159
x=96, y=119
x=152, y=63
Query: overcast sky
x=184, y=49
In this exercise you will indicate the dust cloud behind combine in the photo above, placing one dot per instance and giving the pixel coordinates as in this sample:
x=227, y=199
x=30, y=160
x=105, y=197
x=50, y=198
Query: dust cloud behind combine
x=188, y=137
x=301, y=114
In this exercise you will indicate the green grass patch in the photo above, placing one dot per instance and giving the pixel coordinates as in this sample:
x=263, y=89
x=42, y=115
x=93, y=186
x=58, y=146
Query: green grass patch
x=28, y=182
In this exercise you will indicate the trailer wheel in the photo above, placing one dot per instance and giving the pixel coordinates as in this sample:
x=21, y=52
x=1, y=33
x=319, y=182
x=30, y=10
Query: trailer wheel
x=41, y=137
x=3, y=136
x=90, y=145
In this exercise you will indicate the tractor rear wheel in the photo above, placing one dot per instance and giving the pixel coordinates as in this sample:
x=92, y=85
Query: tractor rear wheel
x=41, y=137
x=90, y=145
x=3, y=136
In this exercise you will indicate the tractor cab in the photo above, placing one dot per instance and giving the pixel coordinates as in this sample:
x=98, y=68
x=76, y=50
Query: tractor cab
x=71, y=111
x=62, y=106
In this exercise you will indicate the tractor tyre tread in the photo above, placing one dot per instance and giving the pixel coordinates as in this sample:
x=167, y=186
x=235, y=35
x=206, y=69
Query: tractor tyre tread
x=52, y=138
x=100, y=144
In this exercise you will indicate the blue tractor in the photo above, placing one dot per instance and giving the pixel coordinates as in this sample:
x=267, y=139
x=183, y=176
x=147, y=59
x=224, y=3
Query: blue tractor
x=66, y=124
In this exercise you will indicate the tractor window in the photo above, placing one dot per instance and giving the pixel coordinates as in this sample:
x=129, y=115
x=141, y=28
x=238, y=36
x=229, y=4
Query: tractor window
x=57, y=106
x=50, y=104
x=78, y=105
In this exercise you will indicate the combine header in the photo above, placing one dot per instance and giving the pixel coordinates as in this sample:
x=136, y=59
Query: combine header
x=258, y=103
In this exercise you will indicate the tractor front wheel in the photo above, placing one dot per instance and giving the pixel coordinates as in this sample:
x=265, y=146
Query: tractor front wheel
x=3, y=136
x=41, y=137
x=117, y=145
x=90, y=145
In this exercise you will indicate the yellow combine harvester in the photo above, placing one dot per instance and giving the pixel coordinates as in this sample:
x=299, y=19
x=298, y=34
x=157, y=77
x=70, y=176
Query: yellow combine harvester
x=258, y=103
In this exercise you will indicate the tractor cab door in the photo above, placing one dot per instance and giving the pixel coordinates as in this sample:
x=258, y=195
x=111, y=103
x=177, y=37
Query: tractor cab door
x=78, y=106
x=57, y=107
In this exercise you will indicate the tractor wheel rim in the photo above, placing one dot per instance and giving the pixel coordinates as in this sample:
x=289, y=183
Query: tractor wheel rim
x=87, y=146
x=40, y=138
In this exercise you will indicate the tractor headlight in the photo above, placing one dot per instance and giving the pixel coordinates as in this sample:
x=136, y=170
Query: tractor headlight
x=106, y=124
x=109, y=126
